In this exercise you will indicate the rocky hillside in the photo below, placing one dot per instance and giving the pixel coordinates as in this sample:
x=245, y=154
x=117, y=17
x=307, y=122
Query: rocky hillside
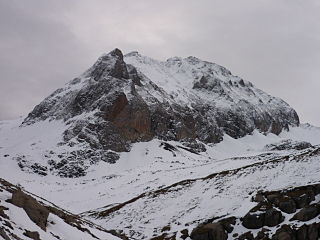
x=243, y=203
x=121, y=100
x=286, y=214
x=24, y=216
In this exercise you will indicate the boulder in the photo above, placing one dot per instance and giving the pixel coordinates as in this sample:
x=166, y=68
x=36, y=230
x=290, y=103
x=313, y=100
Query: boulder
x=262, y=235
x=282, y=201
x=302, y=232
x=210, y=231
x=284, y=233
x=253, y=220
x=313, y=230
x=302, y=197
x=35, y=211
x=307, y=213
x=32, y=235
x=184, y=233
x=272, y=217
x=287, y=205
x=259, y=197
x=316, y=189
x=228, y=223
x=273, y=197
x=246, y=236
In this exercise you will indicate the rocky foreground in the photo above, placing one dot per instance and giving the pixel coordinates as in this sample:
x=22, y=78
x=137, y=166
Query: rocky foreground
x=290, y=214
x=24, y=216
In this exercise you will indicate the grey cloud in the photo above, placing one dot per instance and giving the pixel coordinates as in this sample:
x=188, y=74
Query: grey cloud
x=273, y=43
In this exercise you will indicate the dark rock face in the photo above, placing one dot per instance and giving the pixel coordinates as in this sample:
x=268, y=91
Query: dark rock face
x=307, y=213
x=32, y=235
x=211, y=231
x=263, y=214
x=302, y=232
x=303, y=198
x=288, y=145
x=313, y=231
x=193, y=146
x=228, y=223
x=262, y=235
x=289, y=201
x=272, y=217
x=36, y=212
x=116, y=69
x=287, y=205
x=246, y=236
x=2, y=213
x=132, y=120
x=3, y=234
x=113, y=104
x=184, y=234
x=284, y=233
x=253, y=220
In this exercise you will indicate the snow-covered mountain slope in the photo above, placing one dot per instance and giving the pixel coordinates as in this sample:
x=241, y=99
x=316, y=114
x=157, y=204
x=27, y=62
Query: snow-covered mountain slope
x=115, y=139
x=148, y=166
x=152, y=166
x=188, y=79
x=24, y=216
x=185, y=204
x=122, y=100
x=192, y=81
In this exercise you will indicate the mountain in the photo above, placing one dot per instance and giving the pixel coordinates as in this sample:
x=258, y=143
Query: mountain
x=175, y=149
x=125, y=99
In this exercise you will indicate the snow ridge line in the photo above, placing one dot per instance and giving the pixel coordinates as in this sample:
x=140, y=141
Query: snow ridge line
x=315, y=151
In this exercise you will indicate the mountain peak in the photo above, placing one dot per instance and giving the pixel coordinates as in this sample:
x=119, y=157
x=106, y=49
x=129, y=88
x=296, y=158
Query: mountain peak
x=110, y=64
x=116, y=53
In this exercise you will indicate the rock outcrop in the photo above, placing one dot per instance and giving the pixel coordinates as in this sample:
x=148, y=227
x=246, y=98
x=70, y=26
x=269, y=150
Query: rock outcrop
x=50, y=221
x=36, y=212
x=288, y=145
x=213, y=231
x=297, y=207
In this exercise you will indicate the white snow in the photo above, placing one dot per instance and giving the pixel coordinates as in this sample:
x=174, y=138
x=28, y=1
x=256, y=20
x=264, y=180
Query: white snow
x=178, y=75
x=20, y=222
x=149, y=167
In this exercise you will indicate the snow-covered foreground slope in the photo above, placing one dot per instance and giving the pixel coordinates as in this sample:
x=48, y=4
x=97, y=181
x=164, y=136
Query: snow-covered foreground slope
x=149, y=167
x=25, y=216
x=185, y=204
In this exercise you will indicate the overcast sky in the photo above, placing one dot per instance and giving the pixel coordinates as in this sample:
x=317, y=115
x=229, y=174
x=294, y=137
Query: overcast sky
x=273, y=43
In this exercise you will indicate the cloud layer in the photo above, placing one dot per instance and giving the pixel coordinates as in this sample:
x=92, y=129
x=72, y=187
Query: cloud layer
x=272, y=43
